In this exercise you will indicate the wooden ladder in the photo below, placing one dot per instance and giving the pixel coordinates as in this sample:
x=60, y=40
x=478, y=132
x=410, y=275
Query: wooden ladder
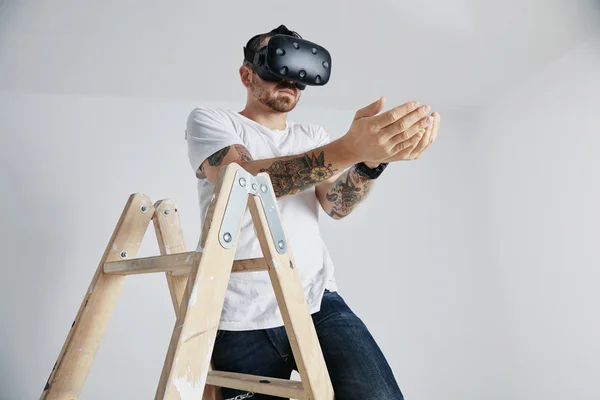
x=198, y=283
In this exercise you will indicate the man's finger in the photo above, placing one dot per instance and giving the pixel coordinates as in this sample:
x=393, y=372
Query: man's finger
x=407, y=121
x=424, y=142
x=435, y=127
x=370, y=110
x=429, y=136
x=389, y=117
x=404, y=148
x=408, y=133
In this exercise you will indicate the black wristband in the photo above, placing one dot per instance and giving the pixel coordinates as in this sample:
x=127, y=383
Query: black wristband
x=370, y=173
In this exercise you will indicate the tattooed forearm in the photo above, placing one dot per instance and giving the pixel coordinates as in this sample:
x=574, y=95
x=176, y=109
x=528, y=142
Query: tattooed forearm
x=347, y=192
x=293, y=175
x=289, y=175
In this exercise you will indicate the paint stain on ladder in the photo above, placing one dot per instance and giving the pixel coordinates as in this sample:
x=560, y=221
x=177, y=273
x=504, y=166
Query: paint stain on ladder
x=190, y=388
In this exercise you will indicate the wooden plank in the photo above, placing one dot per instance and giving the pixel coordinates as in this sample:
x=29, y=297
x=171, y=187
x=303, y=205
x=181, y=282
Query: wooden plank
x=177, y=264
x=250, y=265
x=168, y=230
x=294, y=309
x=75, y=359
x=257, y=384
x=170, y=240
x=190, y=350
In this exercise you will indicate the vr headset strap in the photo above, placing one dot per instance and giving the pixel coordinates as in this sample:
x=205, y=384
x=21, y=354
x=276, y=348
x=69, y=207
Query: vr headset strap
x=253, y=57
x=258, y=59
x=282, y=30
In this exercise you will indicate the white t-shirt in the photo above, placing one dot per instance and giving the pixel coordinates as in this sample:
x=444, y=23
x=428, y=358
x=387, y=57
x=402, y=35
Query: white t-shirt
x=250, y=301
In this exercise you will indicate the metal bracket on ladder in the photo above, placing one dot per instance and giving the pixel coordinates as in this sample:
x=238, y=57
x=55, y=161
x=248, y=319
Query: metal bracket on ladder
x=243, y=185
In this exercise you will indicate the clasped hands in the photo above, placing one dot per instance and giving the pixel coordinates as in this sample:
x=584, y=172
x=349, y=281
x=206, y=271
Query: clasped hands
x=402, y=133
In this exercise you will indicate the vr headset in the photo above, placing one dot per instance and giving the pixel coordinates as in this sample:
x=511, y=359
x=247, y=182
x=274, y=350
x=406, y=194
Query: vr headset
x=289, y=57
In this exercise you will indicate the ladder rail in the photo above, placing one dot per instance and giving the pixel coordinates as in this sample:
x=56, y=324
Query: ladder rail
x=171, y=242
x=81, y=344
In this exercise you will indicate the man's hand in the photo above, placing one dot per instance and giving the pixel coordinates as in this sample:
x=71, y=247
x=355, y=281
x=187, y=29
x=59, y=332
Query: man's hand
x=375, y=137
x=411, y=150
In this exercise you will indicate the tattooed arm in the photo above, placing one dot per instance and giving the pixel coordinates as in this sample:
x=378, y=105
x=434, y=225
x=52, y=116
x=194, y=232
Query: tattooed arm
x=235, y=153
x=341, y=194
x=289, y=175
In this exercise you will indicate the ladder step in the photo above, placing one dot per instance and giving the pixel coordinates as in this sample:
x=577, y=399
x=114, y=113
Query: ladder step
x=258, y=384
x=177, y=264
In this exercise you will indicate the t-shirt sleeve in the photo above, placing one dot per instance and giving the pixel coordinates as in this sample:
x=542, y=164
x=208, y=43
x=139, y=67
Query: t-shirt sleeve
x=322, y=137
x=208, y=131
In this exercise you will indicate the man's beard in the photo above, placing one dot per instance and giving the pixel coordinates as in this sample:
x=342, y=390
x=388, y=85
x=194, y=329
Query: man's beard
x=275, y=101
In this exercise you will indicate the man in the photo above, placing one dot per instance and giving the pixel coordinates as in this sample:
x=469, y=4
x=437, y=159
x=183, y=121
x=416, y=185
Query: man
x=307, y=170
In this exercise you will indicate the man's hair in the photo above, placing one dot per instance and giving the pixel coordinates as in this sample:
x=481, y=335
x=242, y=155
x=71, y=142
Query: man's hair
x=255, y=43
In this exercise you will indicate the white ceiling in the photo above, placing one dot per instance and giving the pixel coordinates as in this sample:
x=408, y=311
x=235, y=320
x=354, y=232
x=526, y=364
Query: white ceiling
x=452, y=54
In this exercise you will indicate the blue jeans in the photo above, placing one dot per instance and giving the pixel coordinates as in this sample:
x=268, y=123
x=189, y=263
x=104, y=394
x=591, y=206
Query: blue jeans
x=356, y=365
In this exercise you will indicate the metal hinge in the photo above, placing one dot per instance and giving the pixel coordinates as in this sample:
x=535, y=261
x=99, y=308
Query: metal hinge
x=247, y=184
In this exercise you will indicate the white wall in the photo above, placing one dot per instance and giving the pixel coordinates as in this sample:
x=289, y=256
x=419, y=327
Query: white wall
x=70, y=162
x=476, y=267
x=538, y=177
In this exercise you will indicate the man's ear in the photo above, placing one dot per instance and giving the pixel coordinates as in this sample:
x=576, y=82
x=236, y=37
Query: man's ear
x=246, y=75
